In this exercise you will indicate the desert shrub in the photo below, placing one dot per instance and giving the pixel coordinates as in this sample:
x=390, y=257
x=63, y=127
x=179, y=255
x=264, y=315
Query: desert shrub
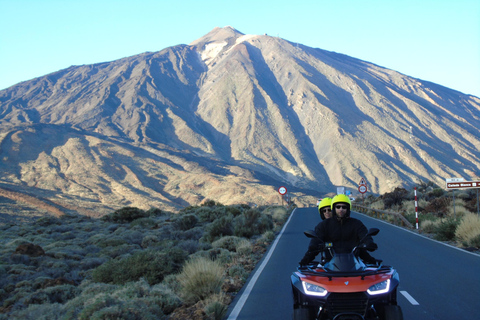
x=251, y=223
x=47, y=221
x=216, y=306
x=211, y=203
x=148, y=264
x=45, y=311
x=459, y=210
x=200, y=278
x=107, y=307
x=155, y=212
x=436, y=193
x=144, y=223
x=468, y=231
x=186, y=222
x=210, y=214
x=149, y=241
x=439, y=206
x=268, y=236
x=216, y=254
x=218, y=228
x=279, y=214
x=445, y=230
x=379, y=205
x=394, y=198
x=193, y=234
x=125, y=215
x=114, y=241
x=117, y=251
x=233, y=210
x=133, y=237
x=56, y=294
x=171, y=282
x=429, y=226
x=244, y=247
x=237, y=271
x=229, y=242
x=91, y=263
x=159, y=293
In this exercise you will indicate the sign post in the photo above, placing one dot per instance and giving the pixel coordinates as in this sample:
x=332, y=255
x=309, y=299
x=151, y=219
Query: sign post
x=460, y=183
x=282, y=190
x=362, y=188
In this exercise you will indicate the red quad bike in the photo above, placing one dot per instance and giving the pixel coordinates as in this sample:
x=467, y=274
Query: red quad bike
x=345, y=288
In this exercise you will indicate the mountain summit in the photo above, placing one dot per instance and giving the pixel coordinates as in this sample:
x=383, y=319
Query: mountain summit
x=229, y=117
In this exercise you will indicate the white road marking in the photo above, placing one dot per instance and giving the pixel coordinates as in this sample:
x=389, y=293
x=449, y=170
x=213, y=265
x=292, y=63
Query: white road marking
x=238, y=307
x=409, y=298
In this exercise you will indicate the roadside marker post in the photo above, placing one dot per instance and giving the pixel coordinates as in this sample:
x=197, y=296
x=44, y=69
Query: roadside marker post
x=416, y=209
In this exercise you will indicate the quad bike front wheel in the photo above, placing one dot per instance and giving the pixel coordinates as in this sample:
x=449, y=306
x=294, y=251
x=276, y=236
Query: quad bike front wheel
x=302, y=314
x=393, y=313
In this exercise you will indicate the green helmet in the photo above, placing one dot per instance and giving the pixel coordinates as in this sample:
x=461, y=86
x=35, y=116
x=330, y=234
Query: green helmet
x=326, y=202
x=341, y=198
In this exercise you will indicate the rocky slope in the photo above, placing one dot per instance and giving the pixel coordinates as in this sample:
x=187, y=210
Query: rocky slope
x=230, y=117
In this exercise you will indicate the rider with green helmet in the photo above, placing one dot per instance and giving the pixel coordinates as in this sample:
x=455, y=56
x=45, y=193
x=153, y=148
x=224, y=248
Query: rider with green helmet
x=325, y=208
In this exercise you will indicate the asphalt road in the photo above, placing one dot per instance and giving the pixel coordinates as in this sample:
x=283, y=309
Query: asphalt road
x=437, y=281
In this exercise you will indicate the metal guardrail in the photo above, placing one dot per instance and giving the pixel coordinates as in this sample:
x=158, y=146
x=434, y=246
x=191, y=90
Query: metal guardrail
x=380, y=214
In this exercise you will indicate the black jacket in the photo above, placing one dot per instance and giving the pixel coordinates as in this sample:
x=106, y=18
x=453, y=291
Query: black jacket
x=344, y=235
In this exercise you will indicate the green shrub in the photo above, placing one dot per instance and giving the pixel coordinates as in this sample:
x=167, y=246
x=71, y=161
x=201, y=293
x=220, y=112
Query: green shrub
x=251, y=223
x=47, y=221
x=144, y=223
x=445, y=230
x=148, y=264
x=186, y=222
x=218, y=228
x=244, y=247
x=237, y=271
x=201, y=278
x=211, y=203
x=215, y=307
x=154, y=212
x=110, y=242
x=229, y=242
x=107, y=307
x=125, y=215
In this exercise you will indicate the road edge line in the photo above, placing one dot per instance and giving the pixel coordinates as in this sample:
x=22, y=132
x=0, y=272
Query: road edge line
x=243, y=298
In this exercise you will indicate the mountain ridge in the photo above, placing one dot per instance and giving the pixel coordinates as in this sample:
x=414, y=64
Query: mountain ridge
x=258, y=106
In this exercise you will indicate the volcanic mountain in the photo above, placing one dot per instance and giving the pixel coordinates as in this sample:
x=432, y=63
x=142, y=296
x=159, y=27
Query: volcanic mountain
x=229, y=117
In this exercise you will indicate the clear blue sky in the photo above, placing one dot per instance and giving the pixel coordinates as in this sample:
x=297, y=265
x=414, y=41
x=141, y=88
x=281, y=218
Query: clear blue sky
x=433, y=40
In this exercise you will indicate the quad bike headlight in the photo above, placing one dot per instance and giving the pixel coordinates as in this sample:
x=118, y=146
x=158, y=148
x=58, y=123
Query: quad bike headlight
x=313, y=289
x=379, y=288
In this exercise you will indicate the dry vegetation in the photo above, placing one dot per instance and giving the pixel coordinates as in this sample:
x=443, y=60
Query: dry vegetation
x=133, y=264
x=438, y=216
x=153, y=264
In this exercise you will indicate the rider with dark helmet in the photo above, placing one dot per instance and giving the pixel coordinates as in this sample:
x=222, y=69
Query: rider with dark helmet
x=342, y=230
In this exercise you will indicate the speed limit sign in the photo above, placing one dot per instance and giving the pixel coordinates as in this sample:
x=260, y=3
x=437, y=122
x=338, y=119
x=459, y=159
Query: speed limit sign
x=282, y=190
x=362, y=188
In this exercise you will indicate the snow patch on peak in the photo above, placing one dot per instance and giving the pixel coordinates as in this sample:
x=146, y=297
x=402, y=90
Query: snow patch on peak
x=245, y=38
x=212, y=50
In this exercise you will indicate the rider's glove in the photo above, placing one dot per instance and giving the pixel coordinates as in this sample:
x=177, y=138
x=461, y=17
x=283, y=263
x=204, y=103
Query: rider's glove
x=372, y=246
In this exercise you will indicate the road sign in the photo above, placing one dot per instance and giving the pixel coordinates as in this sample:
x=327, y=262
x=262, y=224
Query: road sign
x=282, y=190
x=362, y=188
x=463, y=185
x=454, y=180
x=363, y=182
